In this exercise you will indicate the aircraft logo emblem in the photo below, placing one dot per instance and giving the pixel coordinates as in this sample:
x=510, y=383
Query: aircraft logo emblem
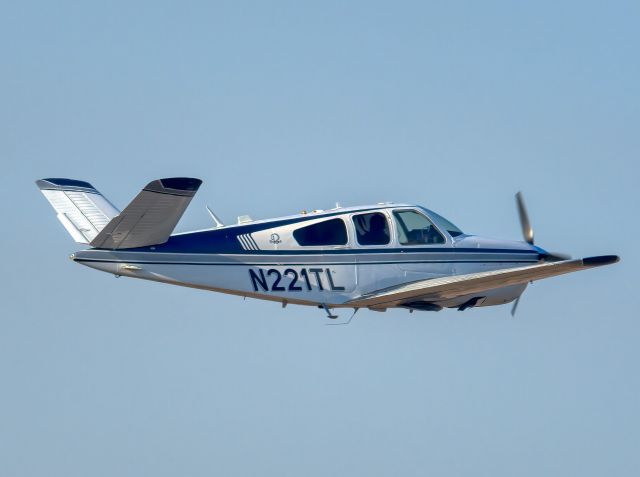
x=275, y=239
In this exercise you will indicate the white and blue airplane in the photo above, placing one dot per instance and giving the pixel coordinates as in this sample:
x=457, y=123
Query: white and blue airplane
x=377, y=257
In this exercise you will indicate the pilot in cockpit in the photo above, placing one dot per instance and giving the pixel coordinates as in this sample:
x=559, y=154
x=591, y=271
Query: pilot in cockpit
x=378, y=230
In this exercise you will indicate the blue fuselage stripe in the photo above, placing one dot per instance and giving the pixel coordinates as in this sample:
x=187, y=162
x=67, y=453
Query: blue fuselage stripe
x=177, y=262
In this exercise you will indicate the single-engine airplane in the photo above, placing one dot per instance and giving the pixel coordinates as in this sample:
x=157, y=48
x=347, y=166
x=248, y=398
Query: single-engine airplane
x=377, y=257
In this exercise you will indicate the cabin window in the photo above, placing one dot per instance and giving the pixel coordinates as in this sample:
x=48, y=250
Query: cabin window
x=371, y=229
x=329, y=232
x=416, y=229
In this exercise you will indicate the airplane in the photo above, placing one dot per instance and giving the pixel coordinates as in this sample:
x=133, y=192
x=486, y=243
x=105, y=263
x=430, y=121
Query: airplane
x=376, y=257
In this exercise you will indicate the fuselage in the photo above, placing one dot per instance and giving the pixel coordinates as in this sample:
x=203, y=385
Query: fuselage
x=322, y=257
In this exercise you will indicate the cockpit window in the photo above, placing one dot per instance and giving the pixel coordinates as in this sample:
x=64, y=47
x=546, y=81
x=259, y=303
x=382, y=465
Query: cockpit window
x=445, y=224
x=329, y=232
x=416, y=229
x=371, y=229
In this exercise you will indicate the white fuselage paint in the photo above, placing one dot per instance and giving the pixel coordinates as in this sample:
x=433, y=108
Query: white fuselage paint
x=264, y=260
x=311, y=279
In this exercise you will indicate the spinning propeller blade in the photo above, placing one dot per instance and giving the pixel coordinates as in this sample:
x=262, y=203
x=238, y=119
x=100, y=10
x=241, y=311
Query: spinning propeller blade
x=527, y=230
x=515, y=306
x=527, y=235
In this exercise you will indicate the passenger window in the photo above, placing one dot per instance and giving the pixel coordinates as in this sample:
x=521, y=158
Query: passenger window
x=415, y=229
x=371, y=229
x=329, y=232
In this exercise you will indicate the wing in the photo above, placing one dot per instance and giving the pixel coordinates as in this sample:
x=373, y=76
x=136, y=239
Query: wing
x=446, y=288
x=151, y=217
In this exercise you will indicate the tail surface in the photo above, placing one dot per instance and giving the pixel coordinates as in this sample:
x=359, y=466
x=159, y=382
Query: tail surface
x=151, y=217
x=148, y=220
x=82, y=210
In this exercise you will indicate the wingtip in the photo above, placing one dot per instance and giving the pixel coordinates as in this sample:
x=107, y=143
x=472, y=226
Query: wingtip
x=600, y=260
x=59, y=183
x=186, y=186
x=181, y=183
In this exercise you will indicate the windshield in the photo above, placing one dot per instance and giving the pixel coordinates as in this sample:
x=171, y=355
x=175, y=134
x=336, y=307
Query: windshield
x=444, y=224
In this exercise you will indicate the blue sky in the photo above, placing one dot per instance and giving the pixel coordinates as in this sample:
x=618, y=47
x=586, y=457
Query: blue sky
x=284, y=106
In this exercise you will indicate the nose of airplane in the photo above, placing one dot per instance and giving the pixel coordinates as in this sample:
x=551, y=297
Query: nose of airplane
x=477, y=241
x=551, y=256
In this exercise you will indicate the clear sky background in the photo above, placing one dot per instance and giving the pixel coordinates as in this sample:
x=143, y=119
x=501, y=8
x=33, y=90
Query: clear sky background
x=282, y=106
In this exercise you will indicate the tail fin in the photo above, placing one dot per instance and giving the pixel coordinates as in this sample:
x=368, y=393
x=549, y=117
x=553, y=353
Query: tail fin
x=82, y=210
x=148, y=220
x=151, y=217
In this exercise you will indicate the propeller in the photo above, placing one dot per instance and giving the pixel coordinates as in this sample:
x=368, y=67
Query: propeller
x=527, y=230
x=527, y=235
x=515, y=307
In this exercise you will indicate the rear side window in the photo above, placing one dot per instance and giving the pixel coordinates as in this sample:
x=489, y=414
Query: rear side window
x=329, y=232
x=371, y=229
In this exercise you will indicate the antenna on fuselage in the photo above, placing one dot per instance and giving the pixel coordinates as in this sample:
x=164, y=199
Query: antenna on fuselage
x=215, y=218
x=355, y=310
